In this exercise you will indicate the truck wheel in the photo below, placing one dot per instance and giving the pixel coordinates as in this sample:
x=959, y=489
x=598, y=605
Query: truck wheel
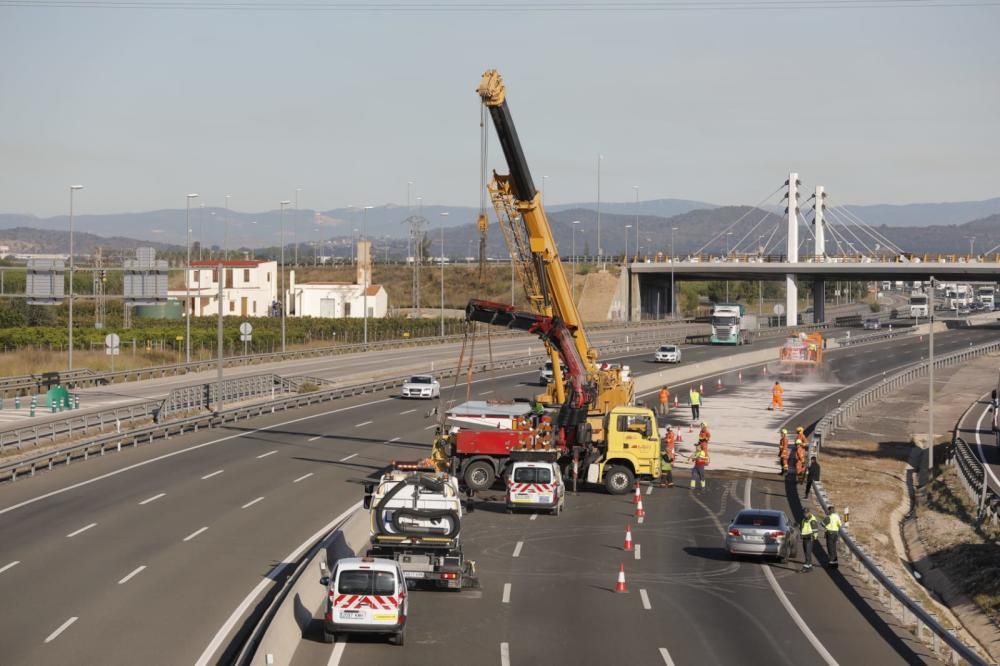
x=618, y=480
x=480, y=475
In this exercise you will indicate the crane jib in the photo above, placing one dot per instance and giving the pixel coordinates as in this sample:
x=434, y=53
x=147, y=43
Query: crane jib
x=520, y=175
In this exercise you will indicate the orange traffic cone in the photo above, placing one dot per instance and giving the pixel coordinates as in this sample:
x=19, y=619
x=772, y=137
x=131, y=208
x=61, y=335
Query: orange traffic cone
x=740, y=377
x=701, y=388
x=690, y=428
x=765, y=370
x=718, y=383
x=628, y=538
x=638, y=493
x=639, y=511
x=676, y=403
x=620, y=585
x=679, y=438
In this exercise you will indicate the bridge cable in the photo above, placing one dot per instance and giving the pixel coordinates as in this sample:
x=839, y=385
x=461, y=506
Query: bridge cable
x=749, y=210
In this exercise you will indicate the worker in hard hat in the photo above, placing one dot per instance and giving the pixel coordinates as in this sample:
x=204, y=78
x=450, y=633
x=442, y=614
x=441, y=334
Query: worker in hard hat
x=700, y=461
x=801, y=449
x=669, y=440
x=783, y=451
x=664, y=396
x=777, y=397
x=704, y=436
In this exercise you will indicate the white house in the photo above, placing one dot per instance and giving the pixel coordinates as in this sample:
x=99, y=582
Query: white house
x=248, y=290
x=340, y=299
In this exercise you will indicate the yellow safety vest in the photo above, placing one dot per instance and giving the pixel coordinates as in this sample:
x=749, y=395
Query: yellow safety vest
x=807, y=526
x=694, y=397
x=833, y=522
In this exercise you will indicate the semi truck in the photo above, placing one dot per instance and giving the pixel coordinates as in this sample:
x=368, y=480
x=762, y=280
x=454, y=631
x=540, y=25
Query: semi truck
x=919, y=304
x=986, y=294
x=731, y=325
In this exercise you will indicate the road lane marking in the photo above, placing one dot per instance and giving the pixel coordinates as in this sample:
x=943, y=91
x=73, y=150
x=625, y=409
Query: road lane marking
x=504, y=654
x=517, y=548
x=409, y=411
x=81, y=530
x=313, y=439
x=9, y=566
x=195, y=533
x=251, y=503
x=215, y=473
x=803, y=627
x=363, y=423
x=534, y=516
x=227, y=626
x=151, y=499
x=666, y=657
x=506, y=594
x=338, y=652
x=134, y=573
x=303, y=477
x=394, y=439
x=982, y=453
x=638, y=551
x=269, y=453
x=346, y=458
x=486, y=392
x=649, y=489
x=433, y=425
x=645, y=600
x=62, y=627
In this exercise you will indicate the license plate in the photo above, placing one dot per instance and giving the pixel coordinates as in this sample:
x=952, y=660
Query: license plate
x=755, y=539
x=351, y=614
x=413, y=574
x=523, y=496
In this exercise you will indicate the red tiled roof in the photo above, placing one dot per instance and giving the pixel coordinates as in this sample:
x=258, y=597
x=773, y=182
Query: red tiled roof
x=227, y=263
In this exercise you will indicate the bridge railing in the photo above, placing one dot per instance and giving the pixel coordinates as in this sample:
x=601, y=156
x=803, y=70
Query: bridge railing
x=926, y=626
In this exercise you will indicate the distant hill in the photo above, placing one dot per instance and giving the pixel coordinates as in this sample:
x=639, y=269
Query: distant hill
x=926, y=214
x=45, y=241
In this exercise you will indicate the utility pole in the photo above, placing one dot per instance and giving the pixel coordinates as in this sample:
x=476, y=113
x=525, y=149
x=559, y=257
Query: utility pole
x=600, y=250
x=189, y=306
x=218, y=390
x=69, y=350
x=930, y=388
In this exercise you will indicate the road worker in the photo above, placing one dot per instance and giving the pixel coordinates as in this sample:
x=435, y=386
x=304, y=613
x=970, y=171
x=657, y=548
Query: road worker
x=800, y=453
x=668, y=442
x=667, y=468
x=700, y=460
x=664, y=397
x=783, y=451
x=809, y=531
x=832, y=524
x=704, y=436
x=777, y=399
x=694, y=397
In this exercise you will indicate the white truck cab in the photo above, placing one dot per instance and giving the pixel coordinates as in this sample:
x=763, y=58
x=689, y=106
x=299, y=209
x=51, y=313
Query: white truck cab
x=535, y=485
x=366, y=595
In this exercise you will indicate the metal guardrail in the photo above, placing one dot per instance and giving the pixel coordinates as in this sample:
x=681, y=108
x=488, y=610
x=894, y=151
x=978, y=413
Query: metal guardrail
x=238, y=389
x=972, y=473
x=926, y=626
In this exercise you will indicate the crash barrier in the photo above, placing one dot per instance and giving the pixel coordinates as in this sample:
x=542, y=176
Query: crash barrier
x=762, y=334
x=290, y=614
x=39, y=383
x=973, y=474
x=924, y=625
x=849, y=320
x=238, y=389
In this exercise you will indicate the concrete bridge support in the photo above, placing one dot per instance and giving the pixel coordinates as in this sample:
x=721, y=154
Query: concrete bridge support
x=819, y=301
x=791, y=281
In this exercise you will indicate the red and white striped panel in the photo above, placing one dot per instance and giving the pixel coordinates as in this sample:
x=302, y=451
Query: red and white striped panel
x=532, y=487
x=367, y=601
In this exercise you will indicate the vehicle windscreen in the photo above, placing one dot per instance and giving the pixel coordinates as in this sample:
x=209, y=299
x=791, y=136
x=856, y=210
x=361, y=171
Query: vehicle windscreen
x=752, y=519
x=421, y=380
x=532, y=475
x=724, y=321
x=918, y=300
x=366, y=581
x=668, y=349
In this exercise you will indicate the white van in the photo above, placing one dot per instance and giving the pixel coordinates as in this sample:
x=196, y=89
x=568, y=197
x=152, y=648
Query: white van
x=366, y=595
x=535, y=485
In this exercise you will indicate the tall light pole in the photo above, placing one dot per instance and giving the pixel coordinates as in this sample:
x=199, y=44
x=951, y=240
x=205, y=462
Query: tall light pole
x=201, y=229
x=636, y=189
x=295, y=227
x=673, y=288
x=444, y=214
x=930, y=386
x=575, y=225
x=367, y=266
x=544, y=178
x=225, y=229
x=69, y=351
x=625, y=258
x=281, y=275
x=728, y=234
x=189, y=306
x=972, y=245
x=600, y=250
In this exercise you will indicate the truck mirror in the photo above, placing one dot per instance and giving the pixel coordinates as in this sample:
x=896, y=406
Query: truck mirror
x=367, y=502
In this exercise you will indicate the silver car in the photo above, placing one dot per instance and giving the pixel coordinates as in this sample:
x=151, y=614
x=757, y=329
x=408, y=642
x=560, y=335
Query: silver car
x=421, y=386
x=762, y=533
x=668, y=354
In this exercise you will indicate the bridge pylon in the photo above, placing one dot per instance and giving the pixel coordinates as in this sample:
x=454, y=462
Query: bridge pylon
x=792, y=253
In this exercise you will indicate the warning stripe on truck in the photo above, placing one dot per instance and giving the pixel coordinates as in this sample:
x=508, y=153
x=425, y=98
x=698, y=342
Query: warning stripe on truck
x=532, y=487
x=367, y=601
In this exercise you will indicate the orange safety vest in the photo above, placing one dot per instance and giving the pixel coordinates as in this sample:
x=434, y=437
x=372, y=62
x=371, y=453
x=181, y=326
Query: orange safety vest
x=664, y=396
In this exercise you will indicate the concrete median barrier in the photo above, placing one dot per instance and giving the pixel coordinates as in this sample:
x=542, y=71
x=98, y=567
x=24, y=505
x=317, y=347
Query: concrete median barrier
x=687, y=371
x=303, y=601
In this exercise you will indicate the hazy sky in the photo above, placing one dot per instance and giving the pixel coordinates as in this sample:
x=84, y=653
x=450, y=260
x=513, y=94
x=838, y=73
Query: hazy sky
x=144, y=105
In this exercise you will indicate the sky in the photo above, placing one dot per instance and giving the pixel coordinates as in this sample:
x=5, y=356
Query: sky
x=895, y=104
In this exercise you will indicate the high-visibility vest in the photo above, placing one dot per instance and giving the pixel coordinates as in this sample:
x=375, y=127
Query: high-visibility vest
x=666, y=465
x=833, y=522
x=700, y=458
x=807, y=526
x=664, y=396
x=694, y=397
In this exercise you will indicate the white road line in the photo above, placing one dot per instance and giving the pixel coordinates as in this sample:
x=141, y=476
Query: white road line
x=338, y=652
x=269, y=453
x=346, y=458
x=303, y=477
x=649, y=489
x=313, y=439
x=227, y=626
x=394, y=439
x=215, y=473
x=666, y=657
x=534, y=516
x=504, y=654
x=433, y=425
x=129, y=577
x=799, y=622
x=81, y=530
x=195, y=533
x=251, y=503
x=9, y=566
x=486, y=392
x=62, y=627
x=517, y=548
x=645, y=600
x=151, y=499
x=979, y=445
x=506, y=594
x=409, y=411
x=363, y=423
x=638, y=551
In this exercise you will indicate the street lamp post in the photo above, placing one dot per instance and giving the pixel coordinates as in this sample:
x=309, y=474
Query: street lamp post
x=281, y=275
x=575, y=226
x=69, y=350
x=600, y=250
x=189, y=306
x=365, y=272
x=444, y=214
x=673, y=288
x=544, y=178
x=728, y=234
x=201, y=229
x=636, y=189
x=295, y=227
x=225, y=229
x=625, y=258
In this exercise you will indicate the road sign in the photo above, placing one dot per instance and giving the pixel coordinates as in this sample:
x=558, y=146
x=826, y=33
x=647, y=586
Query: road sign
x=246, y=328
x=112, y=340
x=779, y=309
x=245, y=337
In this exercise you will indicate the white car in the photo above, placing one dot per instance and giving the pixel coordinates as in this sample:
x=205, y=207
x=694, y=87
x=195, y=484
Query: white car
x=421, y=386
x=545, y=373
x=668, y=354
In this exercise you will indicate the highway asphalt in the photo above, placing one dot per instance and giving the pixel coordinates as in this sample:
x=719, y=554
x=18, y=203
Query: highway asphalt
x=142, y=556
